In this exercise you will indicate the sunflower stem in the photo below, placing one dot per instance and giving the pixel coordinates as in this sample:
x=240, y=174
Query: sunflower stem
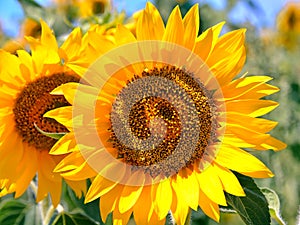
x=32, y=192
x=33, y=188
x=48, y=215
x=43, y=206
x=48, y=210
x=188, y=218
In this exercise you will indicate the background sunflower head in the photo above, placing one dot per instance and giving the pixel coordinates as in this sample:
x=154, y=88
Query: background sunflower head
x=26, y=83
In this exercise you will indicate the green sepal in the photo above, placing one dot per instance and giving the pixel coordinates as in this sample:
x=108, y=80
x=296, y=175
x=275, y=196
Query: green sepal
x=56, y=136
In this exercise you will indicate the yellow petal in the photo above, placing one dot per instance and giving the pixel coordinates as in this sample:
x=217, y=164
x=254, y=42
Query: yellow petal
x=144, y=202
x=108, y=201
x=72, y=44
x=244, y=133
x=238, y=160
x=203, y=45
x=155, y=220
x=70, y=162
x=232, y=139
x=9, y=162
x=99, y=44
x=47, y=37
x=123, y=35
x=174, y=29
x=206, y=41
x=191, y=27
x=228, y=56
x=64, y=145
x=162, y=198
x=251, y=87
x=27, y=65
x=258, y=124
x=78, y=68
x=44, y=51
x=10, y=68
x=253, y=108
x=99, y=187
x=150, y=25
x=75, y=167
x=26, y=171
x=7, y=96
x=121, y=218
x=211, y=185
x=48, y=182
x=68, y=90
x=6, y=187
x=229, y=181
x=227, y=66
x=79, y=187
x=179, y=207
x=272, y=143
x=186, y=183
x=42, y=54
x=130, y=194
x=63, y=115
x=209, y=207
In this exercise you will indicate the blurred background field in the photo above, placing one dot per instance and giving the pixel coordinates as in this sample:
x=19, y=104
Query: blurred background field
x=273, y=48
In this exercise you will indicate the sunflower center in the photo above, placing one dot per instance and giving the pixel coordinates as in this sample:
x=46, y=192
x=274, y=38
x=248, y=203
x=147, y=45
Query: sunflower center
x=292, y=20
x=154, y=115
x=32, y=103
x=98, y=7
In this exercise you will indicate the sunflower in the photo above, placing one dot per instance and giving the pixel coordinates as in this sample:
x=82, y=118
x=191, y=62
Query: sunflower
x=29, y=27
x=288, y=25
x=26, y=81
x=91, y=7
x=162, y=121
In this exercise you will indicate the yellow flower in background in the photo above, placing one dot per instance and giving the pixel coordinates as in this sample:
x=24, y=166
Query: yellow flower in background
x=84, y=8
x=29, y=27
x=288, y=25
x=91, y=7
x=183, y=184
x=26, y=82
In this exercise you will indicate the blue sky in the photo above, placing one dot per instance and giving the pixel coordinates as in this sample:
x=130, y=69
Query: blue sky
x=11, y=13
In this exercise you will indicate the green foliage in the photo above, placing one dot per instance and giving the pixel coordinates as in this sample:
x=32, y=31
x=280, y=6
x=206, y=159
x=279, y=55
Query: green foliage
x=72, y=202
x=73, y=218
x=274, y=204
x=19, y=212
x=30, y=6
x=253, y=208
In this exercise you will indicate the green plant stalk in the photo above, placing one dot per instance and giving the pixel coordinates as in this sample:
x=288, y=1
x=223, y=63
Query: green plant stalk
x=45, y=207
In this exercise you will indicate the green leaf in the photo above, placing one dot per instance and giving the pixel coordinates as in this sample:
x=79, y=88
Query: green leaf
x=32, y=9
x=74, y=218
x=48, y=134
x=274, y=204
x=16, y=212
x=253, y=208
x=73, y=202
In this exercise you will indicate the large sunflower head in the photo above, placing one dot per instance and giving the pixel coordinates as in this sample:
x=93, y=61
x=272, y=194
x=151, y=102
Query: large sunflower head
x=26, y=82
x=161, y=121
